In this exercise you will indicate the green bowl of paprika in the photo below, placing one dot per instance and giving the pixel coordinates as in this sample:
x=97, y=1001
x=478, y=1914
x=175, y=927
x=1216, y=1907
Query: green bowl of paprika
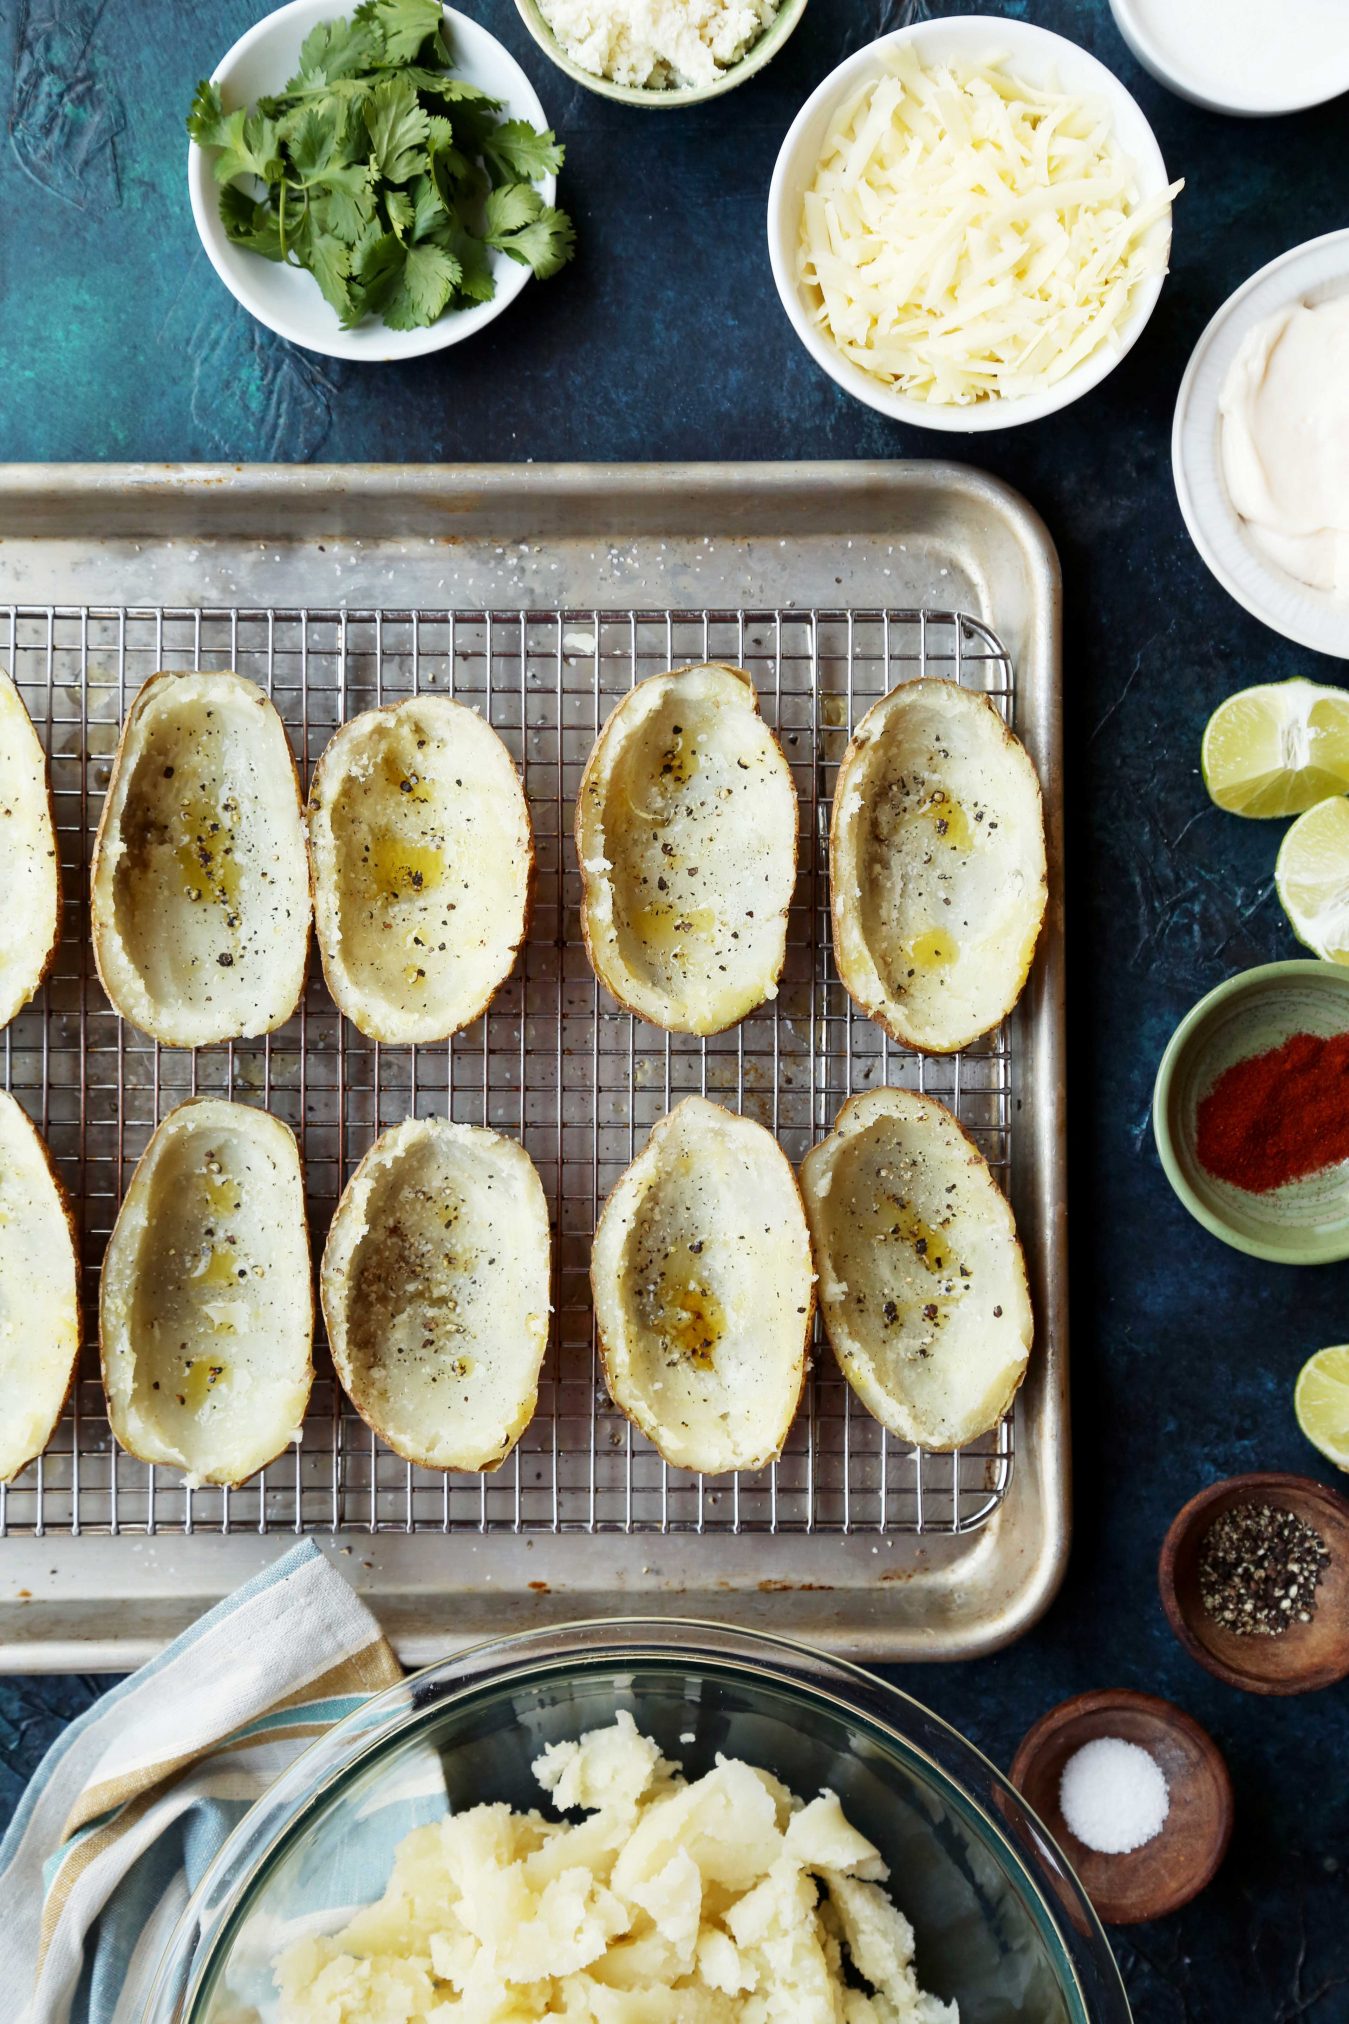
x=1251, y=1112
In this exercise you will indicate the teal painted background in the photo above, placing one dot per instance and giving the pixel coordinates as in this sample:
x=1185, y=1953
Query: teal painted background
x=665, y=340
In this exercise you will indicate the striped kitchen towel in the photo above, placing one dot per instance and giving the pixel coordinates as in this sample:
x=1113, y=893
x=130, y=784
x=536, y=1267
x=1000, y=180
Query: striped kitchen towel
x=132, y=1802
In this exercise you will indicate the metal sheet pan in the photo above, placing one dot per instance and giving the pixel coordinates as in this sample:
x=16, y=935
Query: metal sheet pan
x=829, y=581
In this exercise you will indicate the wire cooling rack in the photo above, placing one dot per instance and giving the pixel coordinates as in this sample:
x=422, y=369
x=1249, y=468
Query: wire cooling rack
x=553, y=1062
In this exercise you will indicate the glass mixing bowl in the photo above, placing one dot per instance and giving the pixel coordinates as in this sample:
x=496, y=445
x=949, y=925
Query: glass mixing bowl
x=1002, y=1924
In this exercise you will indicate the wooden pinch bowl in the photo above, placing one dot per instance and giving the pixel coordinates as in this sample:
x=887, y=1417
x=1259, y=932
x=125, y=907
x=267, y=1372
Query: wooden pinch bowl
x=1166, y=1872
x=1306, y=1655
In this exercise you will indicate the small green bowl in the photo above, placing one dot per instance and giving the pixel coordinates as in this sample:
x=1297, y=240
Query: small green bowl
x=1307, y=1222
x=667, y=98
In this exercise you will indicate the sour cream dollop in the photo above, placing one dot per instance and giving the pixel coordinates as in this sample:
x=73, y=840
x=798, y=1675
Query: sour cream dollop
x=1285, y=441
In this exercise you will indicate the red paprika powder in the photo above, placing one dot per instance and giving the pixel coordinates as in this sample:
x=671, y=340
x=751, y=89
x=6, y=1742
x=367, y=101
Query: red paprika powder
x=1279, y=1116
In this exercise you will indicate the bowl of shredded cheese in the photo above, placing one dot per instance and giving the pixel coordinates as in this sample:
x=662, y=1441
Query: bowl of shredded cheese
x=969, y=223
x=660, y=54
x=639, y=1822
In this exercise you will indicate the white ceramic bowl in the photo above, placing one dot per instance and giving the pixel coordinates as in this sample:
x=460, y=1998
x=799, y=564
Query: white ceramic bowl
x=1032, y=53
x=287, y=299
x=1311, y=273
x=1234, y=79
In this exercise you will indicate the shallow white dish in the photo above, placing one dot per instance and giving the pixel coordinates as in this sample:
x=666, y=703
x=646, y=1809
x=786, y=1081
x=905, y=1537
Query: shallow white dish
x=1311, y=273
x=1222, y=85
x=287, y=299
x=1040, y=57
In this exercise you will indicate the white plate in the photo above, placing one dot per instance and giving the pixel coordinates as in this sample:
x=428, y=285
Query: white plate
x=287, y=299
x=1233, y=80
x=1039, y=56
x=1311, y=273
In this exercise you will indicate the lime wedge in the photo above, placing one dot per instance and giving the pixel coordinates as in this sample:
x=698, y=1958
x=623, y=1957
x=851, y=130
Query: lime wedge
x=1311, y=877
x=1277, y=749
x=1321, y=1402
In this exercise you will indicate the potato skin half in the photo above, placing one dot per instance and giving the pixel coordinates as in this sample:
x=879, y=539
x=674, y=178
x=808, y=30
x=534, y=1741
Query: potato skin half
x=608, y=975
x=612, y=1353
x=170, y=1031
x=894, y=1413
x=485, y=1159
x=335, y=975
x=66, y=1205
x=888, y=1015
x=48, y=963
x=156, y=1140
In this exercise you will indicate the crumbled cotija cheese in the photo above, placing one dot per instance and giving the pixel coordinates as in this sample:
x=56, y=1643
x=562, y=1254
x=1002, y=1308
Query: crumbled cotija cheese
x=670, y=1903
x=657, y=43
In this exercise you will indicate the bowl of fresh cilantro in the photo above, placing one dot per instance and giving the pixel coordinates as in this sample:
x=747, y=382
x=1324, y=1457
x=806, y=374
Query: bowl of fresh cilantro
x=377, y=185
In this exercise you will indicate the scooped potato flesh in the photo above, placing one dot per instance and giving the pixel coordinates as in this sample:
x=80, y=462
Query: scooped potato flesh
x=29, y=874
x=703, y=1290
x=207, y=1316
x=694, y=813
x=938, y=865
x=435, y=1286
x=207, y=921
x=921, y=1277
x=39, y=1294
x=423, y=886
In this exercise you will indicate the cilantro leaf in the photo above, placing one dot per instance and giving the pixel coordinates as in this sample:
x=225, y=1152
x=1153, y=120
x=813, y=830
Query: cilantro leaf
x=430, y=275
x=397, y=127
x=344, y=209
x=317, y=140
x=508, y=208
x=429, y=214
x=453, y=90
x=247, y=142
x=451, y=169
x=376, y=266
x=402, y=25
x=206, y=115
x=518, y=152
x=249, y=223
x=477, y=283
x=398, y=206
x=333, y=50
x=545, y=245
x=473, y=120
x=330, y=264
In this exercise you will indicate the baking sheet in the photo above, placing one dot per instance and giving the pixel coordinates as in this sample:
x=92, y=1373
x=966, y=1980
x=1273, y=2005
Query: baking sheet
x=840, y=1544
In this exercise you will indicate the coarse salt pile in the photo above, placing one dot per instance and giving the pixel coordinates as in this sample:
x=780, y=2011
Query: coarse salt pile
x=1113, y=1795
x=656, y=44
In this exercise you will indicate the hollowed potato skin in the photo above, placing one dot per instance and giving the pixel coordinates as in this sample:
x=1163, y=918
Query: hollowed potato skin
x=686, y=831
x=199, y=887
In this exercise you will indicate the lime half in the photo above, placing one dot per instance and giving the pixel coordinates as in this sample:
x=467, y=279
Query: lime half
x=1311, y=877
x=1321, y=1402
x=1277, y=749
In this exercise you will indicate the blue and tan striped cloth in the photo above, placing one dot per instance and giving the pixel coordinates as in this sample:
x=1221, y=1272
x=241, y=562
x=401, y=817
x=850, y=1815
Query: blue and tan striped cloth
x=132, y=1802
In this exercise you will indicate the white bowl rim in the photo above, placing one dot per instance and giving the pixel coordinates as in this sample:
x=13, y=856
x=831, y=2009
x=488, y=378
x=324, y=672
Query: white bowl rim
x=941, y=36
x=668, y=97
x=372, y=341
x=1190, y=85
x=1308, y=617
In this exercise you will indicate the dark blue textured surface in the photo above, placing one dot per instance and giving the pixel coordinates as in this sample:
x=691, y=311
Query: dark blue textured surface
x=665, y=340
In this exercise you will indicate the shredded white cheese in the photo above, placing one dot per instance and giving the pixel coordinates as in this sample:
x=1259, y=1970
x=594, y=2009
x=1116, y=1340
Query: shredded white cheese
x=969, y=237
x=657, y=43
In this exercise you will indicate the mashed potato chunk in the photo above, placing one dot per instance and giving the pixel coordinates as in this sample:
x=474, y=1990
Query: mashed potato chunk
x=721, y=1900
